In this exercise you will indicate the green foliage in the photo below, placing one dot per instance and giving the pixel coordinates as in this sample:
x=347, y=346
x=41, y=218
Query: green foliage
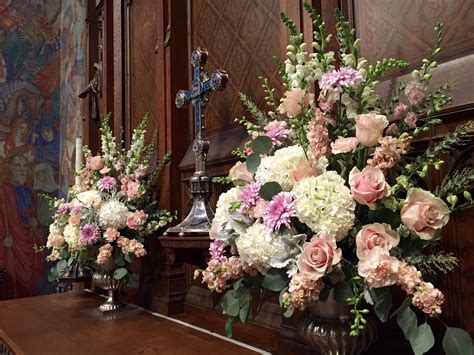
x=275, y=280
x=355, y=299
x=223, y=180
x=256, y=113
x=407, y=322
x=253, y=162
x=261, y=145
x=405, y=304
x=282, y=72
x=321, y=41
x=270, y=189
x=382, y=302
x=120, y=273
x=239, y=153
x=380, y=68
x=433, y=263
x=455, y=183
x=421, y=339
x=457, y=342
x=346, y=38
x=236, y=304
x=269, y=93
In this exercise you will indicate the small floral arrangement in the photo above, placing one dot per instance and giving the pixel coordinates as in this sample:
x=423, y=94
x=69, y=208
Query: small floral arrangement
x=110, y=209
x=328, y=198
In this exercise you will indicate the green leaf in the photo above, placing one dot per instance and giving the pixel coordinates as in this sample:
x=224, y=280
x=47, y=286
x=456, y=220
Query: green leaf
x=229, y=325
x=407, y=322
x=70, y=261
x=261, y=145
x=406, y=303
x=383, y=302
x=253, y=161
x=119, y=259
x=230, y=304
x=422, y=339
x=61, y=265
x=53, y=274
x=275, y=280
x=120, y=273
x=289, y=312
x=457, y=342
x=342, y=291
x=244, y=311
x=270, y=189
x=127, y=258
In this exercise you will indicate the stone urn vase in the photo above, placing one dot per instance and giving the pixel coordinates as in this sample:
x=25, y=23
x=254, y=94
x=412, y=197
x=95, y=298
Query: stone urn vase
x=326, y=329
x=106, y=281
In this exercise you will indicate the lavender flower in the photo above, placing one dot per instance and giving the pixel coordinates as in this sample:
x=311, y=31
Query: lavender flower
x=216, y=250
x=279, y=211
x=89, y=234
x=337, y=79
x=64, y=208
x=107, y=183
x=250, y=196
x=77, y=208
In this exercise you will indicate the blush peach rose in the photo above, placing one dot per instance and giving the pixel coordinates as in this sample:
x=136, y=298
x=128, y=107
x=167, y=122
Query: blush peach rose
x=344, y=145
x=74, y=219
x=55, y=241
x=369, y=128
x=95, y=163
x=424, y=214
x=136, y=219
x=368, y=185
x=239, y=172
x=376, y=235
x=318, y=256
x=294, y=101
x=303, y=169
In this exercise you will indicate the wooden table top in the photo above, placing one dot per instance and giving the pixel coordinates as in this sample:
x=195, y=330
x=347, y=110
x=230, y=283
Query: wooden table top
x=69, y=324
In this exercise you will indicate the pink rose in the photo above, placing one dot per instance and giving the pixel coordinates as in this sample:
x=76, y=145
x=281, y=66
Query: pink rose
x=132, y=189
x=55, y=241
x=368, y=185
x=95, y=163
x=344, y=145
x=318, y=256
x=239, y=172
x=74, y=219
x=369, y=128
x=377, y=235
x=136, y=219
x=423, y=213
x=294, y=101
x=379, y=269
x=303, y=169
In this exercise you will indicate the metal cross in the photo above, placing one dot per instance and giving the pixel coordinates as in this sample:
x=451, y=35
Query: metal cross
x=200, y=217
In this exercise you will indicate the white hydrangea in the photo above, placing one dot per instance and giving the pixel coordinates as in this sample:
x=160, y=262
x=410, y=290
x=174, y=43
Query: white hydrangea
x=324, y=203
x=113, y=214
x=87, y=198
x=55, y=228
x=71, y=236
x=263, y=250
x=281, y=166
x=225, y=200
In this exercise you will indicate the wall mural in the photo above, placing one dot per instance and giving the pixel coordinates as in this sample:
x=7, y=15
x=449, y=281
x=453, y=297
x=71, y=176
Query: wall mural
x=30, y=137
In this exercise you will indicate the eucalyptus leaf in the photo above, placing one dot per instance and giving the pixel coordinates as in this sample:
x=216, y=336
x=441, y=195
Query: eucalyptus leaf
x=457, y=342
x=422, y=339
x=406, y=303
x=244, y=312
x=120, y=273
x=270, y=189
x=119, y=259
x=70, y=261
x=229, y=325
x=127, y=258
x=289, y=312
x=261, y=145
x=383, y=302
x=61, y=265
x=230, y=304
x=407, y=322
x=253, y=162
x=342, y=291
x=53, y=274
x=275, y=280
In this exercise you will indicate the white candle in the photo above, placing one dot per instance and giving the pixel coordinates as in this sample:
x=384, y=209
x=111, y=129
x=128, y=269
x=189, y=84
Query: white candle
x=78, y=158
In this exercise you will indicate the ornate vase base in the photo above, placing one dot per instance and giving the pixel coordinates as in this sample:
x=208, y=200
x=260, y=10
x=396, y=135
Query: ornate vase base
x=111, y=305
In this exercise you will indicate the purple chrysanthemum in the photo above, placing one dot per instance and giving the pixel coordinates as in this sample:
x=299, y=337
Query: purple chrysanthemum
x=216, y=250
x=77, y=208
x=279, y=211
x=337, y=79
x=250, y=196
x=89, y=234
x=278, y=131
x=107, y=183
x=64, y=208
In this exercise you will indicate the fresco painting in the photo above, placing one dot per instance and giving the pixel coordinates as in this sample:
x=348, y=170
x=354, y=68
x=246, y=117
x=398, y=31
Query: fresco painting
x=32, y=132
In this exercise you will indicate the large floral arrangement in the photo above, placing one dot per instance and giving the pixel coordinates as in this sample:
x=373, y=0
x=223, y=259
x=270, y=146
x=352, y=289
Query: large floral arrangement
x=110, y=209
x=328, y=197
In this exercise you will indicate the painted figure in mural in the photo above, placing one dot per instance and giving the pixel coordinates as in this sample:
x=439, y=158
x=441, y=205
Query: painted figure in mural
x=17, y=142
x=45, y=140
x=45, y=185
x=19, y=231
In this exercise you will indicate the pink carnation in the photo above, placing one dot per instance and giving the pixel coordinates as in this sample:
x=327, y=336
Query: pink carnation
x=111, y=234
x=411, y=120
x=379, y=269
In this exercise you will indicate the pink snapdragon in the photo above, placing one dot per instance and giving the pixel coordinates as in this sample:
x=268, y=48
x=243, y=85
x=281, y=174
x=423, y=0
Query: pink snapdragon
x=338, y=79
x=408, y=278
x=302, y=290
x=411, y=119
x=318, y=138
x=279, y=211
x=111, y=234
x=131, y=246
x=216, y=249
x=399, y=110
x=105, y=252
x=389, y=152
x=415, y=92
x=429, y=299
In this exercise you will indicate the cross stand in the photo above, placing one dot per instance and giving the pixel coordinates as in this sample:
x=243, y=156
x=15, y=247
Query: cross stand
x=200, y=217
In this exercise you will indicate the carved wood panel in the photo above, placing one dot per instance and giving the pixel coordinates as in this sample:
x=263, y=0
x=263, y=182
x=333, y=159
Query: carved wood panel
x=404, y=28
x=241, y=37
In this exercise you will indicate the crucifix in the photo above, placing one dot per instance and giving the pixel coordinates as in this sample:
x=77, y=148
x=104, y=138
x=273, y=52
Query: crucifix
x=200, y=217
